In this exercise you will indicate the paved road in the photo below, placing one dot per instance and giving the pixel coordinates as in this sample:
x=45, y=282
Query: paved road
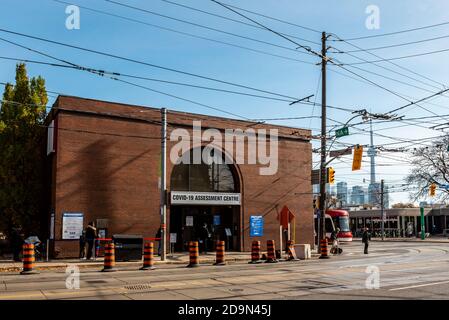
x=407, y=270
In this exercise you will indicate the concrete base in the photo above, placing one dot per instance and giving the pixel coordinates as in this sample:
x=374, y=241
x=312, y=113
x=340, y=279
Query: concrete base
x=193, y=265
x=220, y=264
x=147, y=268
x=109, y=270
x=29, y=272
x=303, y=251
x=255, y=262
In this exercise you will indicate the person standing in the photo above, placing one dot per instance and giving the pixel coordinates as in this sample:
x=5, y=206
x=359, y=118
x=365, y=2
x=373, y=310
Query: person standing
x=83, y=244
x=158, y=236
x=205, y=236
x=16, y=243
x=366, y=237
x=91, y=234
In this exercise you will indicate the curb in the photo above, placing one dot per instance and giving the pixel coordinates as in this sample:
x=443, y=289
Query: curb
x=91, y=265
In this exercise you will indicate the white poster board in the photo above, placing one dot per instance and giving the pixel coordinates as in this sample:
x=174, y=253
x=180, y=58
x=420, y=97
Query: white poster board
x=52, y=226
x=189, y=221
x=173, y=237
x=72, y=225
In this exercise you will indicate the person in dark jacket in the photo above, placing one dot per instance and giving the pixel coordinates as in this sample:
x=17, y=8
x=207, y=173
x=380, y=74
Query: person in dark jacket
x=366, y=237
x=16, y=243
x=83, y=244
x=91, y=234
x=205, y=235
x=158, y=236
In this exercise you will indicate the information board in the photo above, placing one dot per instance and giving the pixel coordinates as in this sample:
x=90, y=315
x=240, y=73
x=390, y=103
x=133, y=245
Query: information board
x=256, y=226
x=72, y=225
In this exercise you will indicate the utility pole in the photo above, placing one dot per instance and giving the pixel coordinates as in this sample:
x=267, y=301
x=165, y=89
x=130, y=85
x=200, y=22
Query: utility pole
x=163, y=201
x=323, y=178
x=382, y=207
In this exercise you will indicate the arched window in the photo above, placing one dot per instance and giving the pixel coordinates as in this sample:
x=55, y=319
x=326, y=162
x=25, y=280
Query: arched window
x=216, y=177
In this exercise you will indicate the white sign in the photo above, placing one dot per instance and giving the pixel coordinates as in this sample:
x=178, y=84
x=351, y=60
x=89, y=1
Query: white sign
x=189, y=221
x=72, y=225
x=228, y=232
x=206, y=198
x=173, y=237
x=52, y=226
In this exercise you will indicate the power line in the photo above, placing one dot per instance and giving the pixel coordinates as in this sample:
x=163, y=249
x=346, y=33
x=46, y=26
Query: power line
x=145, y=63
x=308, y=49
x=145, y=78
x=272, y=18
x=399, y=58
x=230, y=19
x=188, y=34
x=398, y=44
x=394, y=64
x=395, y=32
x=200, y=25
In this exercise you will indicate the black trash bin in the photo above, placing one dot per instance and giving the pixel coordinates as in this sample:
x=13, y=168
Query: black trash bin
x=128, y=247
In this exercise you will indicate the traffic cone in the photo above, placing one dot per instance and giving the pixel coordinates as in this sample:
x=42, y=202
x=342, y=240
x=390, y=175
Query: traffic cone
x=220, y=253
x=271, y=255
x=148, y=257
x=109, y=258
x=324, y=249
x=28, y=259
x=255, y=252
x=291, y=251
x=193, y=255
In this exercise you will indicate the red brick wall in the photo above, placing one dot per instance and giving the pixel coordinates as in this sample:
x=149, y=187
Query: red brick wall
x=108, y=168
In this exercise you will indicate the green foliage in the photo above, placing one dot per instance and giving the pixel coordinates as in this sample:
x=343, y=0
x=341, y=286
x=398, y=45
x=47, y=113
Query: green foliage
x=21, y=152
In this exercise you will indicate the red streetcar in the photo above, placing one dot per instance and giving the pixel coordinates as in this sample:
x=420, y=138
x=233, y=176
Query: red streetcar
x=341, y=220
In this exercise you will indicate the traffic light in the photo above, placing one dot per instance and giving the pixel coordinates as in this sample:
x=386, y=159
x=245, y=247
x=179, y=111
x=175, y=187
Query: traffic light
x=357, y=161
x=432, y=189
x=330, y=175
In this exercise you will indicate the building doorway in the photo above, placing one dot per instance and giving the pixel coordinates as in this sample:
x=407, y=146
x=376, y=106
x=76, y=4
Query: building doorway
x=207, y=194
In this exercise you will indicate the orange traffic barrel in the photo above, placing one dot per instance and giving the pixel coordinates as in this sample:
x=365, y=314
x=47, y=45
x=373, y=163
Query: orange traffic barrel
x=193, y=254
x=271, y=252
x=291, y=254
x=109, y=258
x=324, y=249
x=28, y=259
x=255, y=252
x=148, y=257
x=220, y=253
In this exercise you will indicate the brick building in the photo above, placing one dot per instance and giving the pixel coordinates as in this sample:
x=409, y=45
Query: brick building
x=104, y=166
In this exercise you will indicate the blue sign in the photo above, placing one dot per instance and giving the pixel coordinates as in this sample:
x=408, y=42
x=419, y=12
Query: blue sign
x=217, y=220
x=255, y=226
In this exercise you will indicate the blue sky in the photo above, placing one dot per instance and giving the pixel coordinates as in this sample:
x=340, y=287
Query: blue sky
x=46, y=18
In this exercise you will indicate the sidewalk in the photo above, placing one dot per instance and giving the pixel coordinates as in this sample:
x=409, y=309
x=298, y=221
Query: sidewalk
x=428, y=240
x=175, y=259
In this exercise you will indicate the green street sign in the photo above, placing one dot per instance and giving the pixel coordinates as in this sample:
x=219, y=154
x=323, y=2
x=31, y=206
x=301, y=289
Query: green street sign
x=342, y=132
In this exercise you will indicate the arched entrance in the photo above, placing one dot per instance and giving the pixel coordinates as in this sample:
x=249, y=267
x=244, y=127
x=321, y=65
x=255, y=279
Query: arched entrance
x=205, y=194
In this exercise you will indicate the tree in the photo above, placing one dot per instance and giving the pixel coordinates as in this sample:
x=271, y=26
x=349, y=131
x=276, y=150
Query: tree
x=430, y=165
x=21, y=154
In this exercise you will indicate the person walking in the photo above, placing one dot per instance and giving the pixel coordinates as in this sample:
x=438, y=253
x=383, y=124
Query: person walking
x=366, y=237
x=91, y=234
x=83, y=244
